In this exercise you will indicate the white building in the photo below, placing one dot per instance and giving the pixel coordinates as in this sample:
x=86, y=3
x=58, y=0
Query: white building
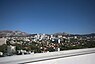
x=37, y=36
x=2, y=41
x=11, y=49
x=59, y=40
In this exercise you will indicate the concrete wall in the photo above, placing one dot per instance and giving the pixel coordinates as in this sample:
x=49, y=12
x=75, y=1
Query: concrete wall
x=80, y=56
x=81, y=59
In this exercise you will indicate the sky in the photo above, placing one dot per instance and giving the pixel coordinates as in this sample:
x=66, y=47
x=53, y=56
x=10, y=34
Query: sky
x=48, y=16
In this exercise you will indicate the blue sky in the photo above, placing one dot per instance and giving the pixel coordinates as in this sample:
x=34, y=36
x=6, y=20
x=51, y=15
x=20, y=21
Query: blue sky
x=48, y=16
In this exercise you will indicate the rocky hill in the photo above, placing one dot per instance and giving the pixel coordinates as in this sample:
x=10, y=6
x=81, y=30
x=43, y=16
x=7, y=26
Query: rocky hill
x=4, y=33
x=12, y=33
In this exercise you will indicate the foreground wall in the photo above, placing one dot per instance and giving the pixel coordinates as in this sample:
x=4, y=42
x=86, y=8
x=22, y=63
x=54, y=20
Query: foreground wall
x=80, y=59
x=79, y=56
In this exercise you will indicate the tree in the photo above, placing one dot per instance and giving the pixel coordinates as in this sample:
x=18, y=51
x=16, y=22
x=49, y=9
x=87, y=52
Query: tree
x=3, y=48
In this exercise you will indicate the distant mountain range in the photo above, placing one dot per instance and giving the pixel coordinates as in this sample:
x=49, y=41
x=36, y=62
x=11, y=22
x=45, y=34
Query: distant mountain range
x=12, y=33
x=20, y=33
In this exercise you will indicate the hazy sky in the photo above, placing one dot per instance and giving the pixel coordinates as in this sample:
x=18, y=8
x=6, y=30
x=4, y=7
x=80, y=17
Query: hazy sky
x=48, y=16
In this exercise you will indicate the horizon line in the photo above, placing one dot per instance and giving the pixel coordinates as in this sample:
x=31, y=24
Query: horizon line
x=48, y=33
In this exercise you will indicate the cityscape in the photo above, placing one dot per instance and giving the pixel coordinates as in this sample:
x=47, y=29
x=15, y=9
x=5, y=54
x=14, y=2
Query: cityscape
x=47, y=31
x=22, y=43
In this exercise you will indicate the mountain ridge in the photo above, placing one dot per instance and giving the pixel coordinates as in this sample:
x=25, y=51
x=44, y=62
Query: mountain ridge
x=20, y=33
